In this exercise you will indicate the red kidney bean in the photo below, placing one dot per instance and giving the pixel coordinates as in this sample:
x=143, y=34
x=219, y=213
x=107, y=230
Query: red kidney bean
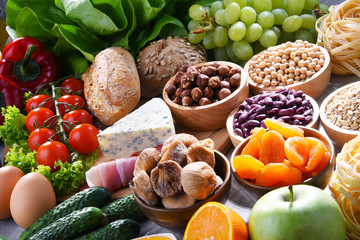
x=286, y=105
x=278, y=104
x=299, y=117
x=286, y=112
x=239, y=132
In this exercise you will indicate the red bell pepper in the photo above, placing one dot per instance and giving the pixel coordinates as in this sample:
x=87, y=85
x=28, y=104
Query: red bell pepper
x=27, y=62
x=10, y=95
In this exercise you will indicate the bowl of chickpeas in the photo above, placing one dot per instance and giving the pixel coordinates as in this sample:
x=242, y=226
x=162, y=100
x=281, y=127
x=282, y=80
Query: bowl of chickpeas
x=298, y=65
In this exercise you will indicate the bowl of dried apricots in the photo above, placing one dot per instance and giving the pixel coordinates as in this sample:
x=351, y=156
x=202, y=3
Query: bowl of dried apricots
x=282, y=155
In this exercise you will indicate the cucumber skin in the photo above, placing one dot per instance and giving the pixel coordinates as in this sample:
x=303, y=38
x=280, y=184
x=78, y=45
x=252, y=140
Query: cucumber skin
x=125, y=207
x=90, y=197
x=123, y=229
x=72, y=225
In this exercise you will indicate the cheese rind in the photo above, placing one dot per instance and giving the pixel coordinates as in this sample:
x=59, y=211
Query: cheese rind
x=148, y=126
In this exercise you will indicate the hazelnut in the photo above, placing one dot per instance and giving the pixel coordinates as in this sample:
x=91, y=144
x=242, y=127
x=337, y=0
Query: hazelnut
x=192, y=73
x=186, y=92
x=185, y=83
x=196, y=94
x=235, y=79
x=187, y=101
x=178, y=92
x=184, y=68
x=171, y=89
x=208, y=70
x=224, y=92
x=214, y=82
x=223, y=70
x=234, y=71
x=177, y=100
x=208, y=92
x=225, y=84
x=204, y=101
x=202, y=80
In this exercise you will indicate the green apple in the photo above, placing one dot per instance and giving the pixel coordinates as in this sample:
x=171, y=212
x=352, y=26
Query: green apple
x=297, y=212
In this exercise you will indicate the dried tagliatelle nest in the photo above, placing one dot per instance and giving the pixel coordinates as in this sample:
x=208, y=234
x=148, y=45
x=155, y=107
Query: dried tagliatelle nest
x=177, y=176
x=339, y=33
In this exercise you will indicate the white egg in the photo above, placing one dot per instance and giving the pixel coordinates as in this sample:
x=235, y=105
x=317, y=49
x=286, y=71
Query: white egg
x=33, y=195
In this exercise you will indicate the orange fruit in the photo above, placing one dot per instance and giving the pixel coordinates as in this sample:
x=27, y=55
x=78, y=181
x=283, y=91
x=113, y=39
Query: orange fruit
x=216, y=221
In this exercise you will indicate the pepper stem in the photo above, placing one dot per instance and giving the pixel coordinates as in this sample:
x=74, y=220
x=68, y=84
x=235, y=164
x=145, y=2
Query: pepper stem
x=291, y=193
x=27, y=69
x=29, y=52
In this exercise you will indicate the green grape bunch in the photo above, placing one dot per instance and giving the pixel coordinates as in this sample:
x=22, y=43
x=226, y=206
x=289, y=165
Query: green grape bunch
x=235, y=30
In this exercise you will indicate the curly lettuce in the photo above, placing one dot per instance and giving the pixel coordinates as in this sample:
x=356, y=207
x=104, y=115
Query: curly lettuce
x=14, y=131
x=22, y=158
x=70, y=176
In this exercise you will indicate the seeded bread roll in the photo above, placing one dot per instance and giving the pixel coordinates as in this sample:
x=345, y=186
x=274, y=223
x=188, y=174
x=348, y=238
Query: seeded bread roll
x=162, y=59
x=112, y=85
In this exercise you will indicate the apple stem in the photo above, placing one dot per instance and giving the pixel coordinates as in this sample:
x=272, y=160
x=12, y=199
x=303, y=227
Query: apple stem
x=291, y=193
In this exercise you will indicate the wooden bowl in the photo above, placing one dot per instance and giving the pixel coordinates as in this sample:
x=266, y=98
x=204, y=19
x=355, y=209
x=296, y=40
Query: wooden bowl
x=338, y=135
x=320, y=180
x=180, y=217
x=236, y=139
x=212, y=116
x=313, y=87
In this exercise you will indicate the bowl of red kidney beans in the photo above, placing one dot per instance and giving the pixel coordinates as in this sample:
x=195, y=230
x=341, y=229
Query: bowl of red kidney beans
x=290, y=106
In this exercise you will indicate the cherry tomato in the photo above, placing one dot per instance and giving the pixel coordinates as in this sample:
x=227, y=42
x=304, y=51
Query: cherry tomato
x=70, y=102
x=35, y=101
x=40, y=118
x=40, y=136
x=72, y=86
x=50, y=152
x=83, y=138
x=76, y=117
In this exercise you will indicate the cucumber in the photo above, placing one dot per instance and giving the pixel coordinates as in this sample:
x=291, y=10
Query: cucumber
x=90, y=197
x=125, y=207
x=123, y=229
x=72, y=225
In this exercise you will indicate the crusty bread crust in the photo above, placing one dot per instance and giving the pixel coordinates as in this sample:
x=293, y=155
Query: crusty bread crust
x=112, y=85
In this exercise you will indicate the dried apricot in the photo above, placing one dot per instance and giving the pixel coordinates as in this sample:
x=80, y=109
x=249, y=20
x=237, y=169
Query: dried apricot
x=258, y=133
x=247, y=166
x=272, y=148
x=278, y=174
x=297, y=151
x=252, y=148
x=316, y=153
x=285, y=129
x=322, y=164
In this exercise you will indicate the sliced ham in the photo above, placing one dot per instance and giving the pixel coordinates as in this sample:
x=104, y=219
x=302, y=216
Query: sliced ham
x=113, y=174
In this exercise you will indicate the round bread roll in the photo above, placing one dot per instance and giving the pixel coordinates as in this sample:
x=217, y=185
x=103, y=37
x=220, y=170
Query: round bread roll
x=112, y=85
x=158, y=62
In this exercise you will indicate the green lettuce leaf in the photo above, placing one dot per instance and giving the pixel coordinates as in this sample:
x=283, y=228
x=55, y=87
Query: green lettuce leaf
x=14, y=128
x=84, y=14
x=22, y=158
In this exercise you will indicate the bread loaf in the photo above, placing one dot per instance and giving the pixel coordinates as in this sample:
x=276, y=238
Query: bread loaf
x=112, y=85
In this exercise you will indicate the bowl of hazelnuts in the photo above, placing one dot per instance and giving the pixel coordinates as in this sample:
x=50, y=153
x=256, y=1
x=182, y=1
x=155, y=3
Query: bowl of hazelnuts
x=201, y=96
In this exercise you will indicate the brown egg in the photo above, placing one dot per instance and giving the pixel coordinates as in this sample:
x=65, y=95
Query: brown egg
x=9, y=176
x=32, y=196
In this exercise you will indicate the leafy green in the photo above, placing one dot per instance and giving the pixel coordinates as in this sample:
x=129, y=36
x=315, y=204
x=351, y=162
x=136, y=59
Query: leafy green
x=22, y=158
x=14, y=128
x=83, y=28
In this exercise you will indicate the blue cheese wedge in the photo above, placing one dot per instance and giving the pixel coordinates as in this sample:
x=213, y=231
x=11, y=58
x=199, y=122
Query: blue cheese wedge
x=148, y=126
